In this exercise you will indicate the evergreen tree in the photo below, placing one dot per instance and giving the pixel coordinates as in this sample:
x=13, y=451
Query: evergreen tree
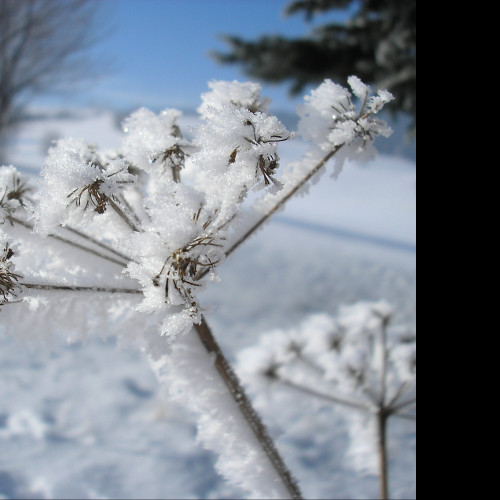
x=377, y=43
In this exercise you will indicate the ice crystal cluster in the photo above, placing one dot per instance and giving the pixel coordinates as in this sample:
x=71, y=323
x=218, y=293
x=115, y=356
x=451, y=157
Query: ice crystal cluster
x=12, y=197
x=171, y=205
x=330, y=118
x=12, y=192
x=8, y=276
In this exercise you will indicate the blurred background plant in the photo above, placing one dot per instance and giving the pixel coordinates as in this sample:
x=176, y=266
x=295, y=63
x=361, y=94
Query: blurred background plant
x=357, y=361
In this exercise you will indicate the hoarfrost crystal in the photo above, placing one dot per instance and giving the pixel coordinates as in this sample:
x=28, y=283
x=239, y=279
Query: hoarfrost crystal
x=78, y=184
x=330, y=119
x=8, y=276
x=13, y=192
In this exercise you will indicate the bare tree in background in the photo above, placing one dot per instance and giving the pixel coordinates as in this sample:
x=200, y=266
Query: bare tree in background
x=44, y=45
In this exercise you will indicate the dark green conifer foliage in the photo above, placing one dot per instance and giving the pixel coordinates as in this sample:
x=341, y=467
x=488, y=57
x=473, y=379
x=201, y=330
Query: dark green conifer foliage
x=376, y=43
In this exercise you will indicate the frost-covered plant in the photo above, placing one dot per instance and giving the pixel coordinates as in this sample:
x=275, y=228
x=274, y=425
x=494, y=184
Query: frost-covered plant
x=329, y=117
x=357, y=361
x=13, y=191
x=8, y=277
x=168, y=211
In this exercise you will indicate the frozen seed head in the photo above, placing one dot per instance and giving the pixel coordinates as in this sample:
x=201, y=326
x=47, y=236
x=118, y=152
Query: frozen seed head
x=154, y=142
x=77, y=183
x=100, y=193
x=13, y=192
x=8, y=277
x=238, y=150
x=183, y=269
x=91, y=195
x=330, y=117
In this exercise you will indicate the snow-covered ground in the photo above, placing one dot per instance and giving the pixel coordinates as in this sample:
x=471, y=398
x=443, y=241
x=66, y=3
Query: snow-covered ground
x=89, y=420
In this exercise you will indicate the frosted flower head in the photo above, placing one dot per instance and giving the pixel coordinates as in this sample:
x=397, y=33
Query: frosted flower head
x=77, y=184
x=8, y=276
x=173, y=284
x=238, y=151
x=13, y=191
x=233, y=94
x=154, y=141
x=176, y=248
x=330, y=118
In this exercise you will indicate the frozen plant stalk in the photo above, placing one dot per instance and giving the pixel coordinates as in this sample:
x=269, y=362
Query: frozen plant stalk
x=8, y=277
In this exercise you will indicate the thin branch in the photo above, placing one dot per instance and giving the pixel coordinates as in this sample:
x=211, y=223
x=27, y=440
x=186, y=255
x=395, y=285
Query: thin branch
x=122, y=215
x=405, y=416
x=384, y=362
x=243, y=403
x=328, y=397
x=383, y=458
x=241, y=399
x=29, y=226
x=131, y=211
x=371, y=396
x=70, y=288
x=98, y=243
x=4, y=303
x=284, y=200
x=403, y=405
x=402, y=389
x=310, y=363
x=278, y=205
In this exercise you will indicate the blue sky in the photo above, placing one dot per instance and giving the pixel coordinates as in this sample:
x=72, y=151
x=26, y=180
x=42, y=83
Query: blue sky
x=159, y=49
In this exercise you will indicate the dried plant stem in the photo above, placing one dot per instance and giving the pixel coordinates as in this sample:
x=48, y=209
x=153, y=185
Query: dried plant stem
x=240, y=398
x=122, y=215
x=99, y=244
x=382, y=418
x=130, y=210
x=383, y=363
x=321, y=395
x=243, y=402
x=70, y=288
x=176, y=173
x=405, y=416
x=399, y=393
x=310, y=363
x=74, y=244
x=283, y=200
x=404, y=404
